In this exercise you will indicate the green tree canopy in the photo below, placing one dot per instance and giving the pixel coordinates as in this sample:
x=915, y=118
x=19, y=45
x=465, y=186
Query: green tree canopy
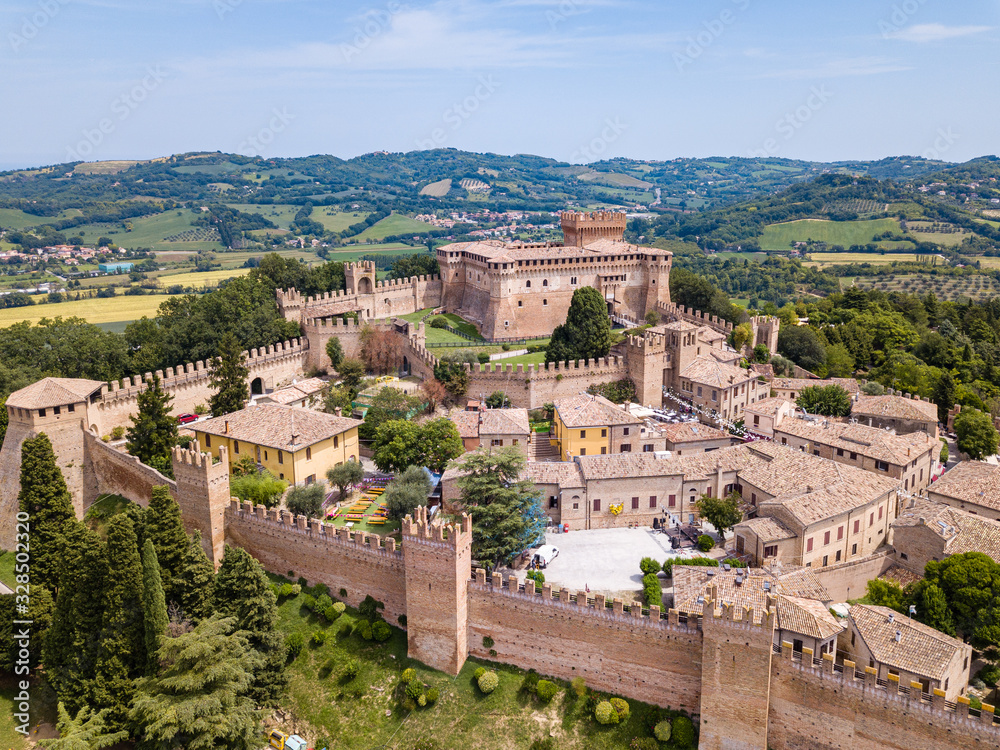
x=977, y=437
x=260, y=488
x=229, y=378
x=166, y=530
x=201, y=701
x=194, y=587
x=387, y=405
x=399, y=444
x=153, y=433
x=722, y=512
x=406, y=492
x=46, y=500
x=352, y=372
x=335, y=352
x=154, y=606
x=801, y=345
x=586, y=333
x=344, y=475
x=87, y=731
x=827, y=400
x=306, y=500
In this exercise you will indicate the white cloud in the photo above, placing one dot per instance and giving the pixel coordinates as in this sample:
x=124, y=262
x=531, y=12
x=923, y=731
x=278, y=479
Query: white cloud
x=935, y=32
x=852, y=66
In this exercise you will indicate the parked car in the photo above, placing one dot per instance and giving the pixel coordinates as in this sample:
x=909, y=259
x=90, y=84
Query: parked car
x=187, y=418
x=544, y=555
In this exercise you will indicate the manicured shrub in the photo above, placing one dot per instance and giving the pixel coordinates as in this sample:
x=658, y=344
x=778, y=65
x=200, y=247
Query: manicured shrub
x=414, y=689
x=439, y=322
x=381, y=631
x=480, y=671
x=546, y=690
x=488, y=681
x=296, y=589
x=662, y=731
x=705, y=542
x=648, y=565
x=530, y=681
x=605, y=713
x=319, y=637
x=652, y=592
x=707, y=562
x=319, y=589
x=537, y=576
x=579, y=686
x=334, y=611
x=117, y=433
x=364, y=629
x=409, y=675
x=351, y=669
x=422, y=700
x=294, y=643
x=309, y=602
x=682, y=729
x=621, y=706
x=285, y=590
x=323, y=602
x=644, y=743
x=432, y=695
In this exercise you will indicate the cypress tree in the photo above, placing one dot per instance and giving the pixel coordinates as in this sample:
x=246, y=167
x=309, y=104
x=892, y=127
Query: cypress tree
x=154, y=431
x=166, y=530
x=138, y=515
x=243, y=592
x=154, y=607
x=586, y=333
x=122, y=652
x=71, y=645
x=47, y=502
x=229, y=378
x=194, y=586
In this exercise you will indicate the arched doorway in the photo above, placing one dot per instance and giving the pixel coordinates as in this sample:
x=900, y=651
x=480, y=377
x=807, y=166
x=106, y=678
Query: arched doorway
x=256, y=387
x=364, y=285
x=406, y=366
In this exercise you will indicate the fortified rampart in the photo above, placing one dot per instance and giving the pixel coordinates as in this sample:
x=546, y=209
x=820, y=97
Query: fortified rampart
x=367, y=297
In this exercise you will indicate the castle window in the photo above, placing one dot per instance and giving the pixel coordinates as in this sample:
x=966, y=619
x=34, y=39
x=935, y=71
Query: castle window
x=771, y=551
x=635, y=503
x=236, y=447
x=281, y=457
x=528, y=283
x=672, y=501
x=583, y=434
x=597, y=504
x=41, y=412
x=71, y=408
x=336, y=441
x=545, y=282
x=604, y=433
x=309, y=454
x=520, y=303
x=55, y=410
x=545, y=303
x=208, y=441
x=626, y=447
x=572, y=280
x=652, y=501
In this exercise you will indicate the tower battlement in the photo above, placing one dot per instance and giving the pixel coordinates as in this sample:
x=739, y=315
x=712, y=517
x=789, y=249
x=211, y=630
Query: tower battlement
x=581, y=229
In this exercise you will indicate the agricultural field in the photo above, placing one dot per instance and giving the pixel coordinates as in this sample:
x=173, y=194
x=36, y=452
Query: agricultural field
x=778, y=237
x=367, y=710
x=391, y=226
x=281, y=214
x=13, y=218
x=437, y=189
x=876, y=259
x=944, y=287
x=104, y=167
x=943, y=234
x=202, y=278
x=153, y=231
x=984, y=261
x=106, y=310
x=354, y=253
x=615, y=179
x=334, y=221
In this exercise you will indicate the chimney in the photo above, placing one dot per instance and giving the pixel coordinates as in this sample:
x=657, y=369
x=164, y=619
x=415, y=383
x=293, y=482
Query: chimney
x=227, y=426
x=338, y=412
x=892, y=617
x=899, y=636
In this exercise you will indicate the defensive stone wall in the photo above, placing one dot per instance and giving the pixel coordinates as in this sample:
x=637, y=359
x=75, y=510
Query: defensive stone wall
x=382, y=299
x=358, y=562
x=673, y=311
x=530, y=386
x=651, y=656
x=107, y=470
x=841, y=580
x=827, y=707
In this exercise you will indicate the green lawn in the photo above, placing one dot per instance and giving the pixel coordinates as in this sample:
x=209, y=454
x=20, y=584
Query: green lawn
x=368, y=711
x=7, y=560
x=779, y=236
x=391, y=226
x=13, y=218
x=281, y=214
x=538, y=358
x=338, y=222
x=152, y=231
x=9, y=736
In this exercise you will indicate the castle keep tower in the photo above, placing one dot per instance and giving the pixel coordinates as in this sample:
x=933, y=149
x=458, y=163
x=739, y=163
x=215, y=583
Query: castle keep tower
x=438, y=563
x=203, y=496
x=580, y=229
x=360, y=277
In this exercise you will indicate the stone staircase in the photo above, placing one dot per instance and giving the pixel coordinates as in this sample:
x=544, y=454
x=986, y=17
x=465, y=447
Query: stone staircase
x=541, y=450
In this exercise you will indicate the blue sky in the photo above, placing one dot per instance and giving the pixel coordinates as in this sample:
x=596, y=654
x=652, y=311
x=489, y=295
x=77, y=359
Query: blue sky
x=576, y=80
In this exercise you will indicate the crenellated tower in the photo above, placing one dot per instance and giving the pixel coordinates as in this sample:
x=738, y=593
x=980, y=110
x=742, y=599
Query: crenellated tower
x=203, y=496
x=437, y=558
x=580, y=229
x=360, y=277
x=736, y=673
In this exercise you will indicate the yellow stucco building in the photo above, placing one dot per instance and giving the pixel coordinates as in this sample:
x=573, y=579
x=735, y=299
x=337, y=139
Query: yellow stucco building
x=592, y=426
x=294, y=444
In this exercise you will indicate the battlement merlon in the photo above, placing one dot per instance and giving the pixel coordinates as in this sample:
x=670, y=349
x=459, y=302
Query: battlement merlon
x=729, y=614
x=419, y=528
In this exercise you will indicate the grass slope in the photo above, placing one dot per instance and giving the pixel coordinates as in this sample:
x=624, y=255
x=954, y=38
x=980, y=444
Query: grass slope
x=108, y=310
x=778, y=237
x=391, y=226
x=368, y=711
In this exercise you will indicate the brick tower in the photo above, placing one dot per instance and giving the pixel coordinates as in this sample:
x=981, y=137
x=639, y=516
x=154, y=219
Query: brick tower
x=203, y=495
x=736, y=674
x=360, y=277
x=580, y=229
x=438, y=563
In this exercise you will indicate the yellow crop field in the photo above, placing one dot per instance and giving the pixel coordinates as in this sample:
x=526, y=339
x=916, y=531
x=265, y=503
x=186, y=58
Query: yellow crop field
x=202, y=278
x=873, y=258
x=104, y=310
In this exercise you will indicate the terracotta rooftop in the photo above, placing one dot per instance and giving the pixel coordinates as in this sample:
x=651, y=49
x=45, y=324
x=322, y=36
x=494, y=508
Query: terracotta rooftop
x=874, y=442
x=797, y=384
x=921, y=650
x=497, y=251
x=962, y=532
x=53, y=392
x=807, y=616
x=767, y=529
x=472, y=424
x=768, y=407
x=708, y=370
x=281, y=427
x=592, y=411
x=973, y=482
x=297, y=392
x=895, y=407
x=642, y=465
x=691, y=432
x=561, y=473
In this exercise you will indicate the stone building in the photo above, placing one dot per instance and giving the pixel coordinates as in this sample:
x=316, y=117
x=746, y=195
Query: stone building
x=791, y=388
x=972, y=486
x=686, y=438
x=910, y=459
x=927, y=531
x=896, y=412
x=762, y=417
x=587, y=425
x=493, y=428
x=907, y=652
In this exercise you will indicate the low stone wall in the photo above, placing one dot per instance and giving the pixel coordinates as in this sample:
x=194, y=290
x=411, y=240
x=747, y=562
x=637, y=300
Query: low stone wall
x=849, y=579
x=109, y=471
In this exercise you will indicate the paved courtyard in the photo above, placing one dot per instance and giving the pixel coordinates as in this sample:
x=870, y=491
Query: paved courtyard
x=605, y=560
